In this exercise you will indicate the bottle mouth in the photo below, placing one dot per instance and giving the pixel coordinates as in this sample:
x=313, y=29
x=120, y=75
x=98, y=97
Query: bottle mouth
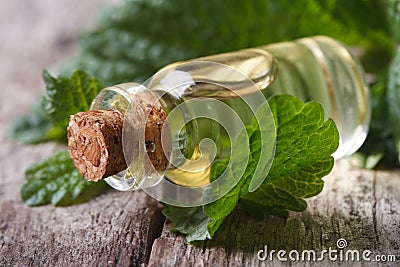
x=143, y=117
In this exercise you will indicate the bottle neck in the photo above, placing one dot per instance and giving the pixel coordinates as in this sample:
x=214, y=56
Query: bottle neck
x=143, y=130
x=154, y=146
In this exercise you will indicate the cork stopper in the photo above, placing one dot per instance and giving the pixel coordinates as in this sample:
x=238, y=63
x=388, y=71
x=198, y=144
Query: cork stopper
x=156, y=150
x=95, y=140
x=95, y=143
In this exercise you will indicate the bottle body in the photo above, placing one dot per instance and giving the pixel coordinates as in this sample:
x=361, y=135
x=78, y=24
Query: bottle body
x=333, y=77
x=313, y=69
x=209, y=102
x=197, y=132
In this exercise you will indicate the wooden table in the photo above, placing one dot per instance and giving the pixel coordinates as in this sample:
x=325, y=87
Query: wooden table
x=359, y=206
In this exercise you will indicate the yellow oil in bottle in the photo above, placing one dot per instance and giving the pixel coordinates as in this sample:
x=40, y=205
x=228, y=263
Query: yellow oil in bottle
x=193, y=172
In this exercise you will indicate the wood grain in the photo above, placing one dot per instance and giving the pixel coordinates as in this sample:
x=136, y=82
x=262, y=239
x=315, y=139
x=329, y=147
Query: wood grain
x=359, y=206
x=111, y=230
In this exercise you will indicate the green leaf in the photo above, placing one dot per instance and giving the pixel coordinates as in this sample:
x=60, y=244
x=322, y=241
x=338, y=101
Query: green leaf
x=394, y=18
x=304, y=146
x=64, y=96
x=379, y=148
x=200, y=223
x=55, y=180
x=35, y=127
x=192, y=222
x=218, y=210
x=67, y=96
x=305, y=143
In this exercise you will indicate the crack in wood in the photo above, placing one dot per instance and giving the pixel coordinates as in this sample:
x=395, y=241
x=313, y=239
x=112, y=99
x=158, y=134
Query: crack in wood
x=374, y=211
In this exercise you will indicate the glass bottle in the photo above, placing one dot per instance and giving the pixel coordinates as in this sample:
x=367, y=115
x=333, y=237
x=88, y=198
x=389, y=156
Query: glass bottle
x=208, y=102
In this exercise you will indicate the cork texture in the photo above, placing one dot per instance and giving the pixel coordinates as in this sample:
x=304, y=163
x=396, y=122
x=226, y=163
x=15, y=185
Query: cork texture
x=95, y=138
x=95, y=143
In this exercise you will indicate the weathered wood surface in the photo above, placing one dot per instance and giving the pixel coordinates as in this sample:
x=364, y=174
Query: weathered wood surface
x=363, y=207
x=125, y=229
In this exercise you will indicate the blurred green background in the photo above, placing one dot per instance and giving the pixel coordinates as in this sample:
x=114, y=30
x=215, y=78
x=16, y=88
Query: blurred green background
x=131, y=41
